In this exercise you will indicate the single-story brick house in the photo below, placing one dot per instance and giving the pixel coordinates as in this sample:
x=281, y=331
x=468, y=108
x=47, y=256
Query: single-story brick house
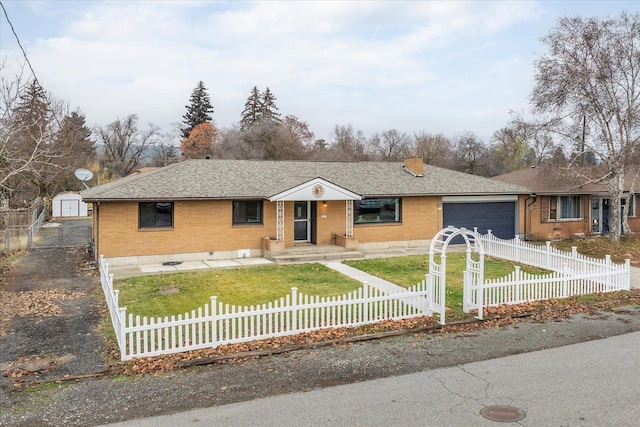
x=223, y=209
x=565, y=203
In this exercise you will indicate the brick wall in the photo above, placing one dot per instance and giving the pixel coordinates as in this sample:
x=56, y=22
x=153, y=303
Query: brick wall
x=559, y=229
x=202, y=226
x=421, y=219
x=199, y=226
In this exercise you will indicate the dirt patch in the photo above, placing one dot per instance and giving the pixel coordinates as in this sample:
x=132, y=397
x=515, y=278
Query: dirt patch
x=172, y=290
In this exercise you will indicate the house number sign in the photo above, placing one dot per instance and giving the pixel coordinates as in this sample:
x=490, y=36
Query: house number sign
x=317, y=191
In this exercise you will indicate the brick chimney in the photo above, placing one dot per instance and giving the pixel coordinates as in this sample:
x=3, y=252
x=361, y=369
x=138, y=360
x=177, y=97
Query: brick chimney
x=414, y=166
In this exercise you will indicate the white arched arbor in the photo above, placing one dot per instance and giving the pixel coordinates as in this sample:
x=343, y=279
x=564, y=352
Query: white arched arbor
x=473, y=276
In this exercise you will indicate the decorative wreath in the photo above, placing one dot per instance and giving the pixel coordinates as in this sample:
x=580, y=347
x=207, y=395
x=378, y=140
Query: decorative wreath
x=317, y=191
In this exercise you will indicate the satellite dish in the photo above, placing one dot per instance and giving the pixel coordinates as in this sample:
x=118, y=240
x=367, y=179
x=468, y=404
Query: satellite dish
x=84, y=175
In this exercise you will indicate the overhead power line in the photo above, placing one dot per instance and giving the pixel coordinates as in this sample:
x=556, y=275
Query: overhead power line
x=26, y=58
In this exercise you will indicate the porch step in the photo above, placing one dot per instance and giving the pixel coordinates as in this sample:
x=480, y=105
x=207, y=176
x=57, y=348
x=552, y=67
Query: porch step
x=311, y=249
x=316, y=256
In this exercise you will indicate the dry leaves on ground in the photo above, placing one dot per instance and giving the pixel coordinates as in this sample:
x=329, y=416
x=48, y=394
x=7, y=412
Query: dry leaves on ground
x=41, y=302
x=541, y=311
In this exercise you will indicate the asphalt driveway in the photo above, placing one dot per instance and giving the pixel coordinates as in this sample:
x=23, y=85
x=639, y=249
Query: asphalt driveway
x=50, y=310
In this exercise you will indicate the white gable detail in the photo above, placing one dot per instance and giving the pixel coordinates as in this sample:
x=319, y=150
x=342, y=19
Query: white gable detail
x=316, y=189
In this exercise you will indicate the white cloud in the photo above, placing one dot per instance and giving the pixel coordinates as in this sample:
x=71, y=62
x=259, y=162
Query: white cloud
x=434, y=65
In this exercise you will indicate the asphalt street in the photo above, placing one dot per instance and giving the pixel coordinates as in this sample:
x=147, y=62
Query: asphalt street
x=594, y=383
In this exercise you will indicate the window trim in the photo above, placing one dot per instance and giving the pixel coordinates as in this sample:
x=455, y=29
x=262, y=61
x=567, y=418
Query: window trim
x=555, y=208
x=141, y=226
x=381, y=200
x=247, y=222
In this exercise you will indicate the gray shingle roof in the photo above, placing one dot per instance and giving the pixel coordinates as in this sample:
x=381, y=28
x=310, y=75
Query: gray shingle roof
x=237, y=179
x=547, y=179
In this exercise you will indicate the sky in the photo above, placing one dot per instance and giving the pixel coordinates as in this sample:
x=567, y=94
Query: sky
x=415, y=66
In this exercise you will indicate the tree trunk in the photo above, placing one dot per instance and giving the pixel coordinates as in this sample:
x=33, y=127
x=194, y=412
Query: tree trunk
x=616, y=188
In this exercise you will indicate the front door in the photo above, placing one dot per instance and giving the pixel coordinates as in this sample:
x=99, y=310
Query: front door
x=600, y=216
x=302, y=221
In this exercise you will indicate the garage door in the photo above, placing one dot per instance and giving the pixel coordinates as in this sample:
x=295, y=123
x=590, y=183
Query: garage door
x=499, y=217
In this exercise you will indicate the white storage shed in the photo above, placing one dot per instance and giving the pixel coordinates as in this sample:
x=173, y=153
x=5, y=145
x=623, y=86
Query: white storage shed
x=68, y=204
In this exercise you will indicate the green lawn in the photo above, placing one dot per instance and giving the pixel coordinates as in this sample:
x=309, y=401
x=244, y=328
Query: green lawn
x=155, y=295
x=177, y=293
x=406, y=271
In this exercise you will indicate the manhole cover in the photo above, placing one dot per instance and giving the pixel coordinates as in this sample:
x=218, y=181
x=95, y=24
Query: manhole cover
x=502, y=413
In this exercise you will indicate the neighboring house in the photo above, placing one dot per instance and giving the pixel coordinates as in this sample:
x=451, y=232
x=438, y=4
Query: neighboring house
x=68, y=204
x=222, y=209
x=564, y=203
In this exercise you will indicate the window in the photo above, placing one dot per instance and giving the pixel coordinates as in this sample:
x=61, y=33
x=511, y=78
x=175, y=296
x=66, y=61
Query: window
x=247, y=212
x=155, y=214
x=371, y=211
x=565, y=207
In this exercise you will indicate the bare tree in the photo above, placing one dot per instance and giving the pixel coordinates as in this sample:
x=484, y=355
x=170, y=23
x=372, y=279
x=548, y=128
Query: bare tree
x=298, y=129
x=435, y=149
x=125, y=146
x=588, y=83
x=165, y=152
x=33, y=147
x=348, y=144
x=263, y=141
x=471, y=154
x=509, y=151
x=391, y=145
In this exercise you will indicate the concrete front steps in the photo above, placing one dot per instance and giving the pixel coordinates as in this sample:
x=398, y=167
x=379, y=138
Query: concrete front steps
x=310, y=253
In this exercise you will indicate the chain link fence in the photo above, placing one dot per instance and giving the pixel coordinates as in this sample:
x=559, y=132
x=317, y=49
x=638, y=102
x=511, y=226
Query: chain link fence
x=66, y=233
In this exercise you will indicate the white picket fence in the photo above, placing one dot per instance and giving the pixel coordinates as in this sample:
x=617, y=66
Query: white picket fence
x=216, y=323
x=547, y=257
x=572, y=273
x=520, y=287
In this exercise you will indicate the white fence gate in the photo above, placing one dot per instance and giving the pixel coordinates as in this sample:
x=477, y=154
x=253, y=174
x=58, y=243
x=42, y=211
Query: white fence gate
x=473, y=274
x=571, y=273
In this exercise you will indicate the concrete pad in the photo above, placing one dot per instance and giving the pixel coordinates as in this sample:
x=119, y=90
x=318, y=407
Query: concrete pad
x=253, y=261
x=221, y=263
x=157, y=268
x=191, y=265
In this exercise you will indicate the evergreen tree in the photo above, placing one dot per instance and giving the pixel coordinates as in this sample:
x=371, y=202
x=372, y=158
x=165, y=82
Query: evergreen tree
x=32, y=115
x=77, y=150
x=252, y=109
x=260, y=108
x=198, y=111
x=268, y=109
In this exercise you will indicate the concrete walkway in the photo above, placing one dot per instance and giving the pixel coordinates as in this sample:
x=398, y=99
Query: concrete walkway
x=376, y=282
x=361, y=276
x=124, y=271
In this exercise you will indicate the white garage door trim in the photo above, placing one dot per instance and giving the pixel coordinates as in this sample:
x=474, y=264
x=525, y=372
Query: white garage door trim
x=479, y=199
